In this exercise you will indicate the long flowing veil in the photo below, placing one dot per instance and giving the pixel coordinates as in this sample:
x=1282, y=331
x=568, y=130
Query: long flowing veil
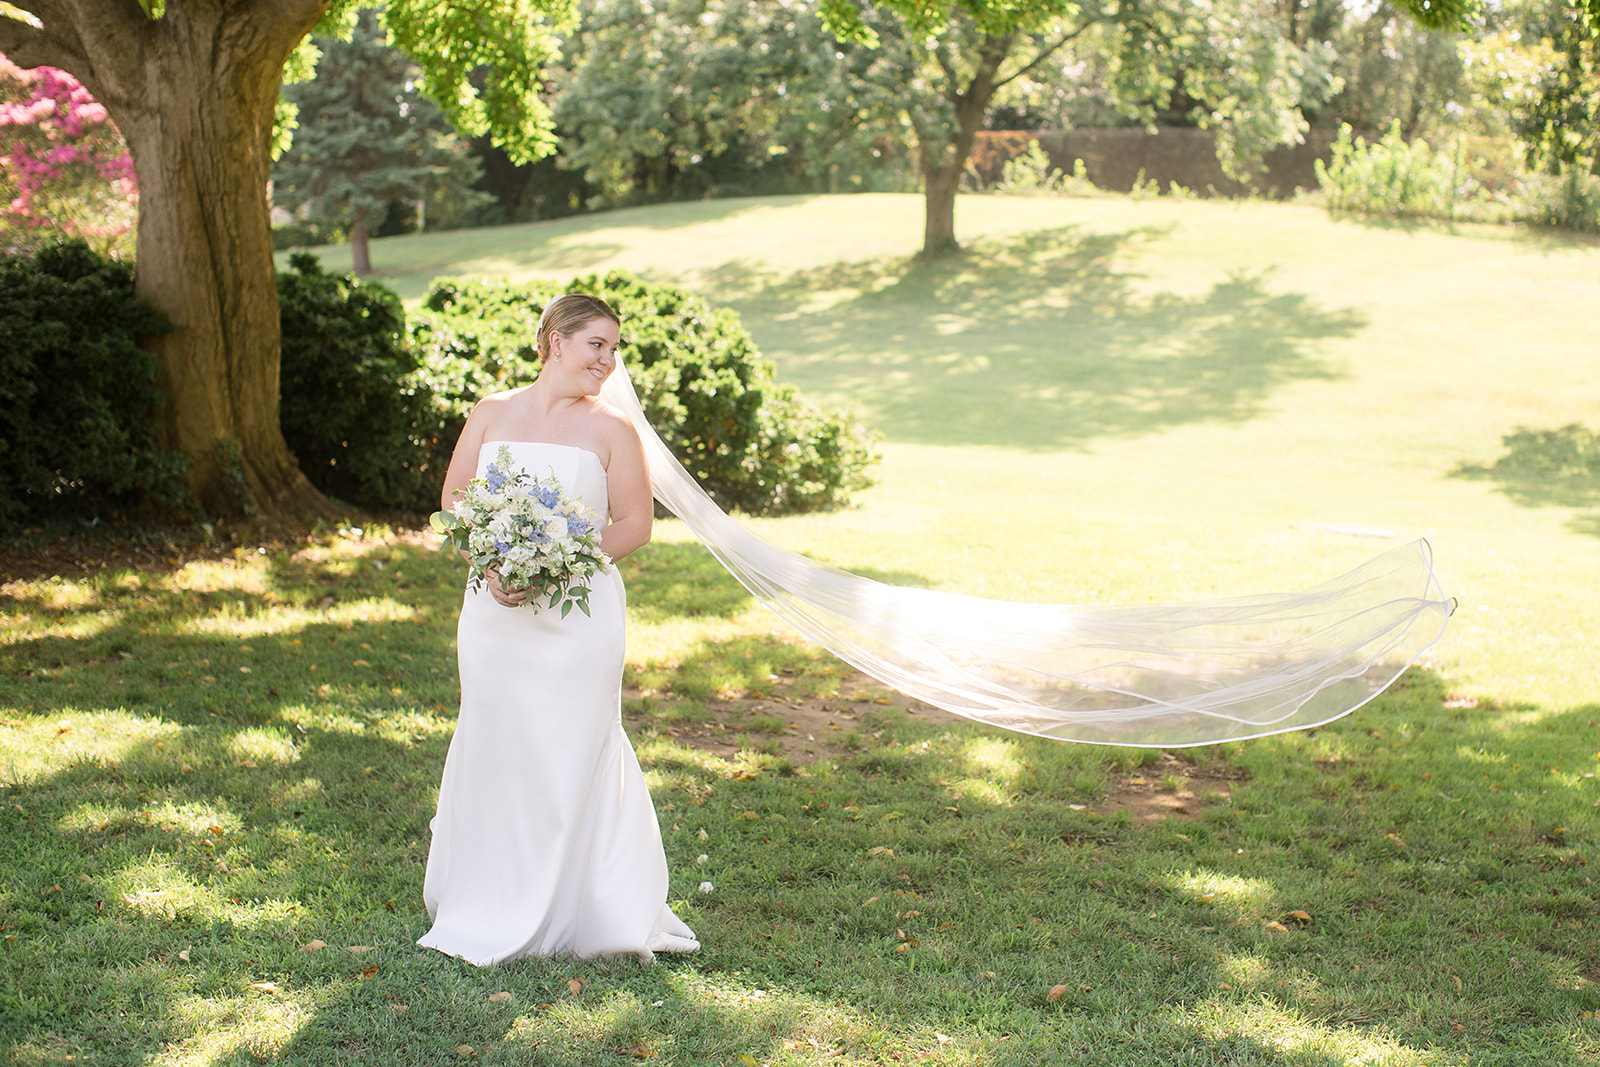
x=1162, y=676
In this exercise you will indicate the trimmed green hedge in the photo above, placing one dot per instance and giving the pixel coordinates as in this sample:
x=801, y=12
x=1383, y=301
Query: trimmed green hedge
x=78, y=398
x=359, y=418
x=753, y=442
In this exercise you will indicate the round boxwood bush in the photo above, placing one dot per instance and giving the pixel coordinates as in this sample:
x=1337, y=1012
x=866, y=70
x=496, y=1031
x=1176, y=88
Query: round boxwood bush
x=356, y=414
x=78, y=398
x=754, y=443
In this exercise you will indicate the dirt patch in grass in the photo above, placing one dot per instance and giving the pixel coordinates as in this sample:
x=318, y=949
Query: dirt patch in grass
x=1175, y=785
x=843, y=726
x=801, y=729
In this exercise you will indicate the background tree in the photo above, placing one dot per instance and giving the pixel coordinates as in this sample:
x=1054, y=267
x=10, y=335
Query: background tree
x=1555, y=98
x=691, y=98
x=193, y=86
x=1226, y=67
x=963, y=52
x=365, y=137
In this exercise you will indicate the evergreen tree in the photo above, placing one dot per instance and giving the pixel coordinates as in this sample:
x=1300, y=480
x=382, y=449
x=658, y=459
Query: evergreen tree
x=366, y=136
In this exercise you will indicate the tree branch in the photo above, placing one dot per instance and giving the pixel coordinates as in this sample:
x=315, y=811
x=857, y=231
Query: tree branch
x=107, y=41
x=290, y=14
x=951, y=79
x=1047, y=53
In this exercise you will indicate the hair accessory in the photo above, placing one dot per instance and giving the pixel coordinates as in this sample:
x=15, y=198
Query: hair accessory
x=544, y=315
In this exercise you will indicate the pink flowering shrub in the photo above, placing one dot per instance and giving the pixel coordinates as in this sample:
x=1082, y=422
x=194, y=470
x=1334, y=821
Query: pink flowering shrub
x=64, y=170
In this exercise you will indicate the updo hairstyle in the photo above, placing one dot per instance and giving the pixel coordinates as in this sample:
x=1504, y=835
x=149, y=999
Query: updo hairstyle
x=566, y=314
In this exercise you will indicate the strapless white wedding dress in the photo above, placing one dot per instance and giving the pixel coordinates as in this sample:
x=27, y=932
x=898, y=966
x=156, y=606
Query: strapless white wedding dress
x=546, y=841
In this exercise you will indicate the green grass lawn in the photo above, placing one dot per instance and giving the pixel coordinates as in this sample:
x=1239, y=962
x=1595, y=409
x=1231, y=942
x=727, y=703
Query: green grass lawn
x=209, y=768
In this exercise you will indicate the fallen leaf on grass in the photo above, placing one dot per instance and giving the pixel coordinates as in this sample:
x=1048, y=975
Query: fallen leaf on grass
x=465, y=1050
x=575, y=985
x=1396, y=839
x=359, y=948
x=1277, y=928
x=313, y=946
x=263, y=987
x=52, y=890
x=1299, y=916
x=944, y=1039
x=400, y=1007
x=745, y=1057
x=1055, y=994
x=370, y=972
x=879, y=850
x=638, y=1052
x=500, y=997
x=184, y=955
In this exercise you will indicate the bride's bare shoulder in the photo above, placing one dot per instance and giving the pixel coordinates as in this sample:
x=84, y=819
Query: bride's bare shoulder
x=616, y=425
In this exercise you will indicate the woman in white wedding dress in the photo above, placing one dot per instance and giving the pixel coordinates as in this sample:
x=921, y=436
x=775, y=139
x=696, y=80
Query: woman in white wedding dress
x=546, y=841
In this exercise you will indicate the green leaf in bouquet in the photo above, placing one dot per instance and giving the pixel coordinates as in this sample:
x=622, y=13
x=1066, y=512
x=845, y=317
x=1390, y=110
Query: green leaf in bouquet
x=443, y=521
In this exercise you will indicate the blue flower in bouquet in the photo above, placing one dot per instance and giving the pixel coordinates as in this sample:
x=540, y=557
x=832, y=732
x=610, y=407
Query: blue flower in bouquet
x=524, y=530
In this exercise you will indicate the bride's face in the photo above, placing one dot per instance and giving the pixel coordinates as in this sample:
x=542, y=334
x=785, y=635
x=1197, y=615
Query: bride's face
x=588, y=354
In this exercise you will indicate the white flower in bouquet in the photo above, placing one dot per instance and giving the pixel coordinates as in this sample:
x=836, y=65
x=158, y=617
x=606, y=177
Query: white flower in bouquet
x=526, y=530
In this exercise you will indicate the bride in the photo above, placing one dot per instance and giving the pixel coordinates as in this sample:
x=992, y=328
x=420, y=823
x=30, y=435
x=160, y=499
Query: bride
x=546, y=841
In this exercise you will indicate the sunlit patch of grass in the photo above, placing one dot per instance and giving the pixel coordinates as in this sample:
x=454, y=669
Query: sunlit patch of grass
x=45, y=744
x=155, y=890
x=259, y=1025
x=265, y=744
x=1291, y=1037
x=1240, y=897
x=992, y=766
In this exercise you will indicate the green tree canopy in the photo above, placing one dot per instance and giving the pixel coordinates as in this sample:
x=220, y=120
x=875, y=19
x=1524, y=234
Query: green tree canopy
x=658, y=100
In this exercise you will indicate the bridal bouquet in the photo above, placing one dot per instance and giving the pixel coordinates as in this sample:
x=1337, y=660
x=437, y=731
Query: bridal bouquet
x=526, y=529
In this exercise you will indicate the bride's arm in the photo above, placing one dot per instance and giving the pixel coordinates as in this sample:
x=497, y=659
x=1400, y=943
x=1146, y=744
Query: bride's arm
x=628, y=487
x=464, y=460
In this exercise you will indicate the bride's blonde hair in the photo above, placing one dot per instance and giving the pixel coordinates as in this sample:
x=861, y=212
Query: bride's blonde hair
x=567, y=313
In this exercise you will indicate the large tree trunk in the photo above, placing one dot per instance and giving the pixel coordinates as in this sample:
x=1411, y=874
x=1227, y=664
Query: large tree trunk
x=940, y=185
x=360, y=247
x=943, y=150
x=193, y=94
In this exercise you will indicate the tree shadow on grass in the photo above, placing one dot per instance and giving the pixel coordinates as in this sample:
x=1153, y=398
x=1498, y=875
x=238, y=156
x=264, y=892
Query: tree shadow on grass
x=1040, y=340
x=1548, y=468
